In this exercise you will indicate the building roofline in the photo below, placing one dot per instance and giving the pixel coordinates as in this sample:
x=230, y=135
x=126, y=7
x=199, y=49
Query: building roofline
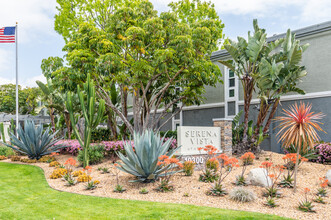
x=299, y=33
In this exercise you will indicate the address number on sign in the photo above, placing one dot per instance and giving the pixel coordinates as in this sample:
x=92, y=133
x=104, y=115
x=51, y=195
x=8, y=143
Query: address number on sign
x=197, y=160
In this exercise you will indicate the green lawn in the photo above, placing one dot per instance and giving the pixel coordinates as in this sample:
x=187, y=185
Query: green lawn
x=25, y=194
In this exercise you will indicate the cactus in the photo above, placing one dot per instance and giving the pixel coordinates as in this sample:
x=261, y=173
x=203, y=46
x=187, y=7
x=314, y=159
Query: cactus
x=92, y=119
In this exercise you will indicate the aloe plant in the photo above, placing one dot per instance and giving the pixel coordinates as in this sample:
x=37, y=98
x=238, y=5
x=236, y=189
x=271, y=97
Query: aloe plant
x=142, y=157
x=92, y=118
x=34, y=141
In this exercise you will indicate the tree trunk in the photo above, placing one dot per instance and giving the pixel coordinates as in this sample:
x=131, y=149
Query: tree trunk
x=296, y=169
x=249, y=86
x=67, y=121
x=271, y=115
x=112, y=124
x=51, y=111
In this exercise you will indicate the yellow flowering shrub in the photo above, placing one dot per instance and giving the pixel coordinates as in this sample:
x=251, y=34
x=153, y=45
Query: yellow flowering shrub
x=54, y=164
x=2, y=157
x=26, y=160
x=84, y=178
x=77, y=173
x=95, y=182
x=15, y=158
x=58, y=173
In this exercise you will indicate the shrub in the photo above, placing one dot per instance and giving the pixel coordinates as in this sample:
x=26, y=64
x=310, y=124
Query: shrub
x=227, y=165
x=170, y=164
x=188, y=167
x=6, y=151
x=101, y=134
x=212, y=164
x=34, y=141
x=271, y=202
x=143, y=191
x=54, y=164
x=323, y=184
x=58, y=173
x=46, y=159
x=273, y=172
x=141, y=160
x=241, y=194
x=323, y=153
x=15, y=158
x=27, y=160
x=169, y=134
x=3, y=157
x=95, y=154
x=77, y=173
x=84, y=178
x=246, y=159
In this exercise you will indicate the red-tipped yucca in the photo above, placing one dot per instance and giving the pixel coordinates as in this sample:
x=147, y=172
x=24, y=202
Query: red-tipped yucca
x=299, y=127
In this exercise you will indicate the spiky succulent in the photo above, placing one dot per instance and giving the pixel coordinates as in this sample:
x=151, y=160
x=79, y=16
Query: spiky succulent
x=141, y=159
x=34, y=141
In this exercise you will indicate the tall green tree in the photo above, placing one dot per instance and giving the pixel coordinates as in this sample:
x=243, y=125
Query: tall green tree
x=160, y=61
x=271, y=69
x=27, y=97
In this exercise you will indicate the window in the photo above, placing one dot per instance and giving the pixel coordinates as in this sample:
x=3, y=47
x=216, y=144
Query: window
x=232, y=83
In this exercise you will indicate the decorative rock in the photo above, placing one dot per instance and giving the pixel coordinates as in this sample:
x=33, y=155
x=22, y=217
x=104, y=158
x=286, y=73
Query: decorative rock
x=258, y=177
x=328, y=176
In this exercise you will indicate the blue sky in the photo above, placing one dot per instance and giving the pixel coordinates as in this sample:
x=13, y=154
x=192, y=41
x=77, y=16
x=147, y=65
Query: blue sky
x=38, y=40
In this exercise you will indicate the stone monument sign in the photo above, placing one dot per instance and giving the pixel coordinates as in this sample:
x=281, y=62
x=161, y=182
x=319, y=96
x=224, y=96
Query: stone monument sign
x=190, y=138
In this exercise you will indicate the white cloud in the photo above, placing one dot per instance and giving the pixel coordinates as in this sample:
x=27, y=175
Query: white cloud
x=6, y=57
x=31, y=82
x=6, y=81
x=34, y=17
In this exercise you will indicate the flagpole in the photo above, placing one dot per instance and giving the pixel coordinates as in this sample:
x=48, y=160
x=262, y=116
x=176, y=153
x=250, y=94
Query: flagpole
x=16, y=80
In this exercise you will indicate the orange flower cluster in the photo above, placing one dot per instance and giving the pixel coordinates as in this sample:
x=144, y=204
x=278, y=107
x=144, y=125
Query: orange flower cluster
x=306, y=190
x=323, y=182
x=247, y=156
x=88, y=169
x=165, y=160
x=266, y=164
x=211, y=150
x=292, y=157
x=54, y=154
x=228, y=161
x=71, y=161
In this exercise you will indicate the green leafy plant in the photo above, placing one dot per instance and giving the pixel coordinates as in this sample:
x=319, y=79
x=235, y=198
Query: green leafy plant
x=306, y=205
x=92, y=185
x=286, y=182
x=208, y=176
x=141, y=159
x=242, y=194
x=186, y=194
x=95, y=154
x=105, y=170
x=271, y=202
x=319, y=199
x=247, y=159
x=6, y=151
x=119, y=188
x=34, y=141
x=143, y=191
x=217, y=190
x=188, y=167
x=92, y=118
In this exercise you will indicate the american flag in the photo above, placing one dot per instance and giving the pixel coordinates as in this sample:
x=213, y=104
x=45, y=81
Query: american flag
x=7, y=35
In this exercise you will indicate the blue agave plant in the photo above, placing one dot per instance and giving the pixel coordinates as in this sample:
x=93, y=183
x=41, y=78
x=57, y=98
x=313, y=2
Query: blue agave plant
x=141, y=160
x=33, y=141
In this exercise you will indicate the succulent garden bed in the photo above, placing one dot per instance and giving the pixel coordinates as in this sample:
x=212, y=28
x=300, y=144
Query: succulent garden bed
x=189, y=190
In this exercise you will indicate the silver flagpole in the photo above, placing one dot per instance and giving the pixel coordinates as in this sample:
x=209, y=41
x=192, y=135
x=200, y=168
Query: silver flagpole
x=16, y=80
